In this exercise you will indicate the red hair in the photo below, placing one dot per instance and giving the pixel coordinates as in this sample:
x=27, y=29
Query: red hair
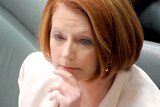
x=117, y=32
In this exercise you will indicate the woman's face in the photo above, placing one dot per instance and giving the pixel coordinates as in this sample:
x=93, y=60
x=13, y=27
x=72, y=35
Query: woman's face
x=72, y=44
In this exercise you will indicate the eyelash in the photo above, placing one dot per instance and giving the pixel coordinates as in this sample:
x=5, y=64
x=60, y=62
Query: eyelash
x=85, y=42
x=82, y=41
x=58, y=37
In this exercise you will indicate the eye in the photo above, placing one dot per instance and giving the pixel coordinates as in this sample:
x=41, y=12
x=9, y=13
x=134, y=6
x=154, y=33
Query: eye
x=58, y=37
x=86, y=41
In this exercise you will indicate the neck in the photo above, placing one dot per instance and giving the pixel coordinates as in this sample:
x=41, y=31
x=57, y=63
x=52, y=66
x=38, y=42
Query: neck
x=94, y=91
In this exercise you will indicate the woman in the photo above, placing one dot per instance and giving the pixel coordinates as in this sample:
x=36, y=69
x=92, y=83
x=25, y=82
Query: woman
x=89, y=48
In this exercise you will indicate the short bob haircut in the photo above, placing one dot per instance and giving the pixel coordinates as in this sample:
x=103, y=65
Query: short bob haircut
x=116, y=28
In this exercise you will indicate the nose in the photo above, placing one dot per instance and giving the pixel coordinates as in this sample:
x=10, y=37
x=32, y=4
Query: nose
x=68, y=51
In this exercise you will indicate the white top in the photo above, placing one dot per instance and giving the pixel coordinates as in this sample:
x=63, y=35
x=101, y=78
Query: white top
x=131, y=88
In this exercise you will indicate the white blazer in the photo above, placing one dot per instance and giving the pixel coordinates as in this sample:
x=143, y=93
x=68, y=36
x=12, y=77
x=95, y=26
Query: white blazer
x=131, y=88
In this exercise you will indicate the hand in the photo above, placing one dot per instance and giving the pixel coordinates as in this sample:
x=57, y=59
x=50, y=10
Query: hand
x=65, y=90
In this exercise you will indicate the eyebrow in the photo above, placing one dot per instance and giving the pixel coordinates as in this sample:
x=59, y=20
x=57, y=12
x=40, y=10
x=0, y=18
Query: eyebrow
x=71, y=19
x=83, y=33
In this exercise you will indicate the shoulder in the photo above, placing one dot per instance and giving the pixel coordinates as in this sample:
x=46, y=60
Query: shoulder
x=139, y=79
x=36, y=63
x=35, y=56
x=139, y=90
x=36, y=59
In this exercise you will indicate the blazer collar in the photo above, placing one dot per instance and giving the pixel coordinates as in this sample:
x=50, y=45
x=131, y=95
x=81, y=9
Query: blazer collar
x=112, y=97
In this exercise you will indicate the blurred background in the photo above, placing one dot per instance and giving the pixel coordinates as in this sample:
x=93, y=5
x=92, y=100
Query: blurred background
x=148, y=12
x=19, y=23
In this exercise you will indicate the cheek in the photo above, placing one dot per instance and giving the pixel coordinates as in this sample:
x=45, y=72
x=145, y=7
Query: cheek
x=93, y=61
x=54, y=53
x=90, y=61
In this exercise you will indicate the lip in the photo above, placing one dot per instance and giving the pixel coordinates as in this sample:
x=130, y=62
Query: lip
x=69, y=69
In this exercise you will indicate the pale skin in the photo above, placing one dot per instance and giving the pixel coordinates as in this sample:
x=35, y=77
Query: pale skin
x=74, y=56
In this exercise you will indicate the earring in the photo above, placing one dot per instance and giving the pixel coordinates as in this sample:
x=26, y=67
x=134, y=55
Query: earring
x=106, y=70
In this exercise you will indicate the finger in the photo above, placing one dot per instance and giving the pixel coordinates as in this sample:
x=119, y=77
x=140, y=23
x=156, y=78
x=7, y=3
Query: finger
x=60, y=85
x=53, y=86
x=66, y=76
x=56, y=95
x=55, y=103
x=63, y=87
